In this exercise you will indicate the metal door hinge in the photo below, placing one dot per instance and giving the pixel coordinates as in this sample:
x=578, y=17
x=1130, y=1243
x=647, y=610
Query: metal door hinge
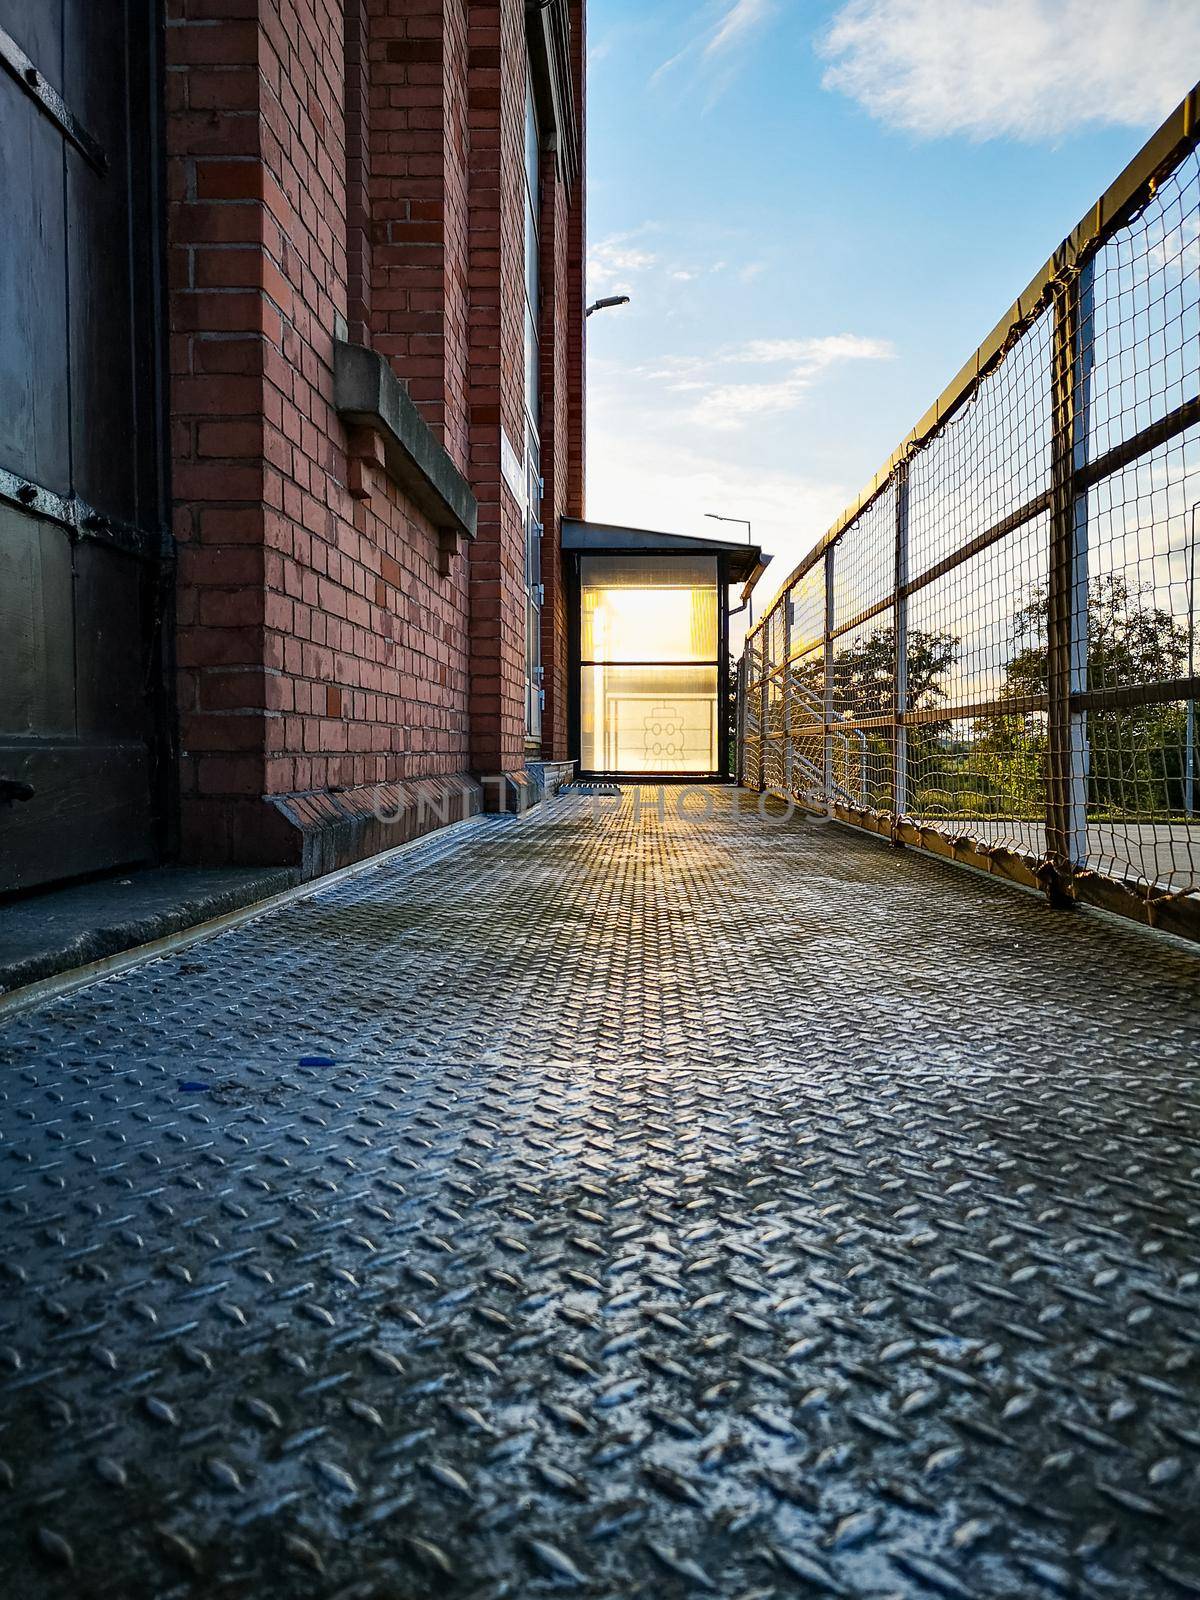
x=14, y=789
x=47, y=97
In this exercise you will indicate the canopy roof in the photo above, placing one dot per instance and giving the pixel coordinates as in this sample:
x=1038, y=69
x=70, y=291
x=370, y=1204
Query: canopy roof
x=746, y=561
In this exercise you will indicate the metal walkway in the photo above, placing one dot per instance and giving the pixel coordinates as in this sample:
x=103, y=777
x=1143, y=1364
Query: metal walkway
x=617, y=1204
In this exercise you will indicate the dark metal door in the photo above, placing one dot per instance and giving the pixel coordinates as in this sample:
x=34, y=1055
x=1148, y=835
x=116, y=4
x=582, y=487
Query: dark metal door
x=81, y=481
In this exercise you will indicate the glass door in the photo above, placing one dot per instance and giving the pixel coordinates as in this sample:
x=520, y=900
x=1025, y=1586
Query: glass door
x=649, y=646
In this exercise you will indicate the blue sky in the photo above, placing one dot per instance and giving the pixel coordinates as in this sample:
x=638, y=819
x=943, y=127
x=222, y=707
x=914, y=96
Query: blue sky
x=819, y=210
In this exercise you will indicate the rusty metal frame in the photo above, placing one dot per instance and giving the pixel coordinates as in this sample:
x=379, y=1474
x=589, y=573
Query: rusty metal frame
x=1066, y=784
x=1062, y=289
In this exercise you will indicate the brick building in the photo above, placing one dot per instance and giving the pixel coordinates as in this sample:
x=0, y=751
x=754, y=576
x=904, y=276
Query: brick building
x=293, y=414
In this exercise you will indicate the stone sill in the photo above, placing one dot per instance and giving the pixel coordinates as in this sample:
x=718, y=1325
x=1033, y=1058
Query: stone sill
x=549, y=776
x=388, y=432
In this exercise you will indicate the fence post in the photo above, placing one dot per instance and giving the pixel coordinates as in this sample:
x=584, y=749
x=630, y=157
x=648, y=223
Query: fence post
x=827, y=758
x=739, y=732
x=758, y=691
x=1067, y=756
x=900, y=629
x=786, y=691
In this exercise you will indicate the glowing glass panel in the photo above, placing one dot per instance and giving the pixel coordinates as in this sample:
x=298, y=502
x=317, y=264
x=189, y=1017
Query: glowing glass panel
x=648, y=608
x=649, y=719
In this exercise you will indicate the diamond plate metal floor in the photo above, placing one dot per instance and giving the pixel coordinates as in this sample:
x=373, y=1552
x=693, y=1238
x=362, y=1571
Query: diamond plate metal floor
x=615, y=1204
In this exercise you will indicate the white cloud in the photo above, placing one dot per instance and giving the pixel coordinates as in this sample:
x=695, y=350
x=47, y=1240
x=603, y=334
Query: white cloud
x=621, y=263
x=664, y=450
x=735, y=25
x=1174, y=249
x=1029, y=69
x=718, y=400
x=615, y=263
x=740, y=20
x=659, y=479
x=813, y=353
x=729, y=405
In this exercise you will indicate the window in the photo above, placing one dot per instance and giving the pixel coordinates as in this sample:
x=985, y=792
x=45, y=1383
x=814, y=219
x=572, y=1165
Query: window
x=649, y=645
x=533, y=192
x=534, y=691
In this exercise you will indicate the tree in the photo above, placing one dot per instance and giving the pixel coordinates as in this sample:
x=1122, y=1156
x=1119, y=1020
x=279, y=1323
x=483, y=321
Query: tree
x=1128, y=640
x=864, y=675
x=1135, y=753
x=864, y=685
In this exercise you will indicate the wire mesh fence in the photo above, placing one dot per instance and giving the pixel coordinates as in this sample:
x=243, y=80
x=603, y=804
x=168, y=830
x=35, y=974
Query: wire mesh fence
x=993, y=654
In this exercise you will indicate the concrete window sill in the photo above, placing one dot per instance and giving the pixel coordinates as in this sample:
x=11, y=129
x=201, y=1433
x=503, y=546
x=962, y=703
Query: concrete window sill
x=387, y=431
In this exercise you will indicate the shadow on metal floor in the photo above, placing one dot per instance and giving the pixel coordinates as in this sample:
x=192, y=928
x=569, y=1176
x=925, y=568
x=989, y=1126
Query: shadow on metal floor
x=613, y=1202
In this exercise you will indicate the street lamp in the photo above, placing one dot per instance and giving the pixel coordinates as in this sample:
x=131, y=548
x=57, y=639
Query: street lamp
x=715, y=516
x=603, y=305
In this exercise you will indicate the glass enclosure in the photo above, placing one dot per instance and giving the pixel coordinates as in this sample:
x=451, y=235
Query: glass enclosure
x=649, y=651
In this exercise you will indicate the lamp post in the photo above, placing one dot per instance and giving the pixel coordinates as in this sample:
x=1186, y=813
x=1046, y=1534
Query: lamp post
x=603, y=305
x=744, y=522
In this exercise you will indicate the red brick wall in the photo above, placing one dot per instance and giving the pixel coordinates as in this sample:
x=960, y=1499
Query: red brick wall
x=357, y=98
x=318, y=645
x=456, y=285
x=219, y=317
x=562, y=344
x=358, y=160
x=576, y=281
x=496, y=111
x=555, y=435
x=418, y=139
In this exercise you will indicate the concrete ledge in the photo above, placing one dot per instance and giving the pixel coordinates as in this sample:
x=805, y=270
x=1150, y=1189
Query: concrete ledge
x=367, y=394
x=549, y=776
x=60, y=929
x=515, y=791
x=332, y=828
